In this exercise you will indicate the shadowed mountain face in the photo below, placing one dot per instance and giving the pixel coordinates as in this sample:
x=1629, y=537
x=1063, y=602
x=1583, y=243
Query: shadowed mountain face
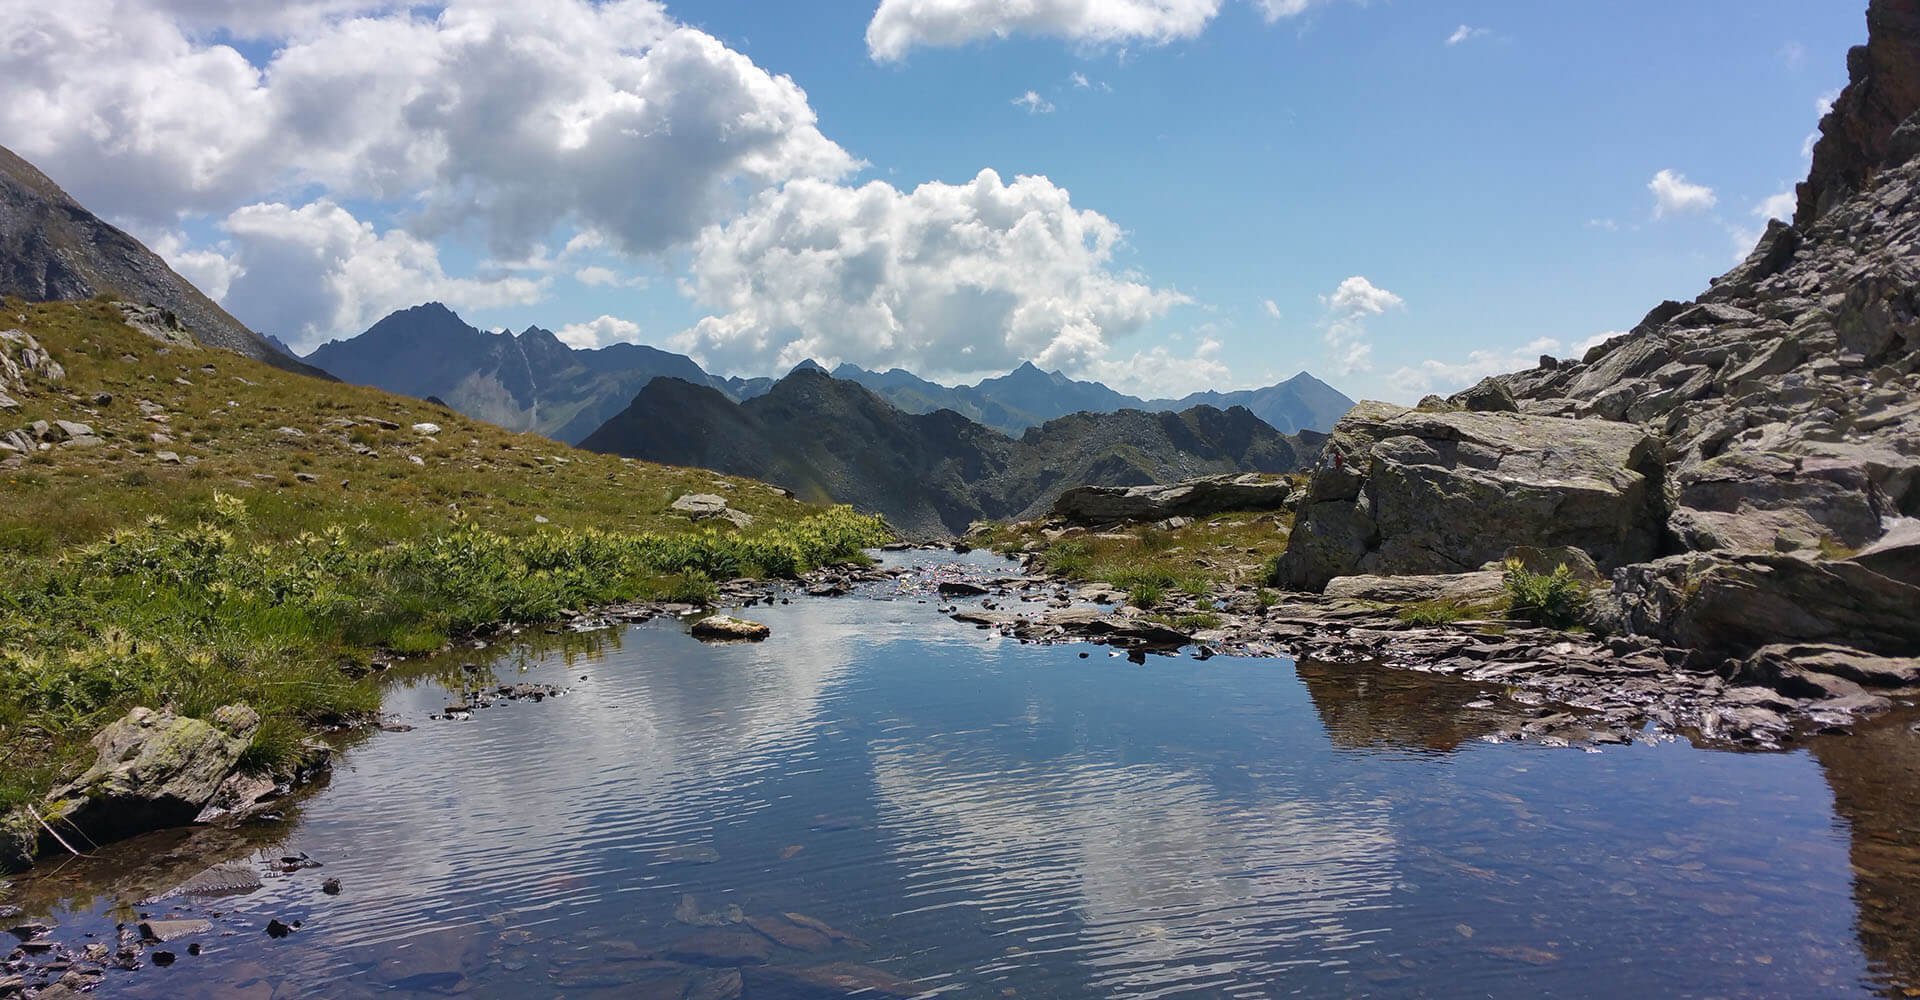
x=52, y=249
x=528, y=381
x=829, y=439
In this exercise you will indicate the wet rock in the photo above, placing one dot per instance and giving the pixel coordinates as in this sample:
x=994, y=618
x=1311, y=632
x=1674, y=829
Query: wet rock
x=277, y=930
x=826, y=982
x=688, y=912
x=727, y=627
x=790, y=934
x=726, y=948
x=165, y=931
x=153, y=770
x=961, y=588
x=331, y=887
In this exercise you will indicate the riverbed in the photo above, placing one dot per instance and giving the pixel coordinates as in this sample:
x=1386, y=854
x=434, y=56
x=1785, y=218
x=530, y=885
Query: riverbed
x=880, y=794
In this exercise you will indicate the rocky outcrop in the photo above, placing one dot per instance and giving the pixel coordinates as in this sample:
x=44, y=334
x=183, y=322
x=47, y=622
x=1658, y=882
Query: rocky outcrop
x=1203, y=497
x=152, y=770
x=705, y=506
x=1734, y=603
x=1410, y=492
x=1863, y=132
x=1780, y=410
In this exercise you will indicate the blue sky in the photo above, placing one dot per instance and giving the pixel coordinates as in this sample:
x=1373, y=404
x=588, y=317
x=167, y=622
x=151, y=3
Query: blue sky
x=1490, y=187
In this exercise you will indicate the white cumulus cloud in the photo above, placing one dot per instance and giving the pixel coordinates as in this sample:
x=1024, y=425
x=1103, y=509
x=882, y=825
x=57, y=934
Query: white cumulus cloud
x=943, y=279
x=899, y=26
x=1673, y=194
x=305, y=274
x=1356, y=301
x=599, y=333
x=513, y=119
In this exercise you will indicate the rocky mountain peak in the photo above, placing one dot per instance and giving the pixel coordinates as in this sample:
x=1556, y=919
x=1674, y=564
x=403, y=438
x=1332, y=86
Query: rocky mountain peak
x=1872, y=125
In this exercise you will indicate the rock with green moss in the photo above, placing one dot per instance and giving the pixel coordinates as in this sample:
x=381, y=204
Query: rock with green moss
x=152, y=770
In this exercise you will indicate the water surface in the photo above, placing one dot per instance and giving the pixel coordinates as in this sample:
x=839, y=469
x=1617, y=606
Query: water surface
x=998, y=820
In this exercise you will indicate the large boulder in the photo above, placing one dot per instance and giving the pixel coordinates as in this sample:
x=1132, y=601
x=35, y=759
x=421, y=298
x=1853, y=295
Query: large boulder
x=1763, y=501
x=1737, y=603
x=1409, y=492
x=152, y=770
x=1203, y=497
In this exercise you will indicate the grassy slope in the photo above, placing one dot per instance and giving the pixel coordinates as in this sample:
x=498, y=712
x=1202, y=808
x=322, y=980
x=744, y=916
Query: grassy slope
x=267, y=561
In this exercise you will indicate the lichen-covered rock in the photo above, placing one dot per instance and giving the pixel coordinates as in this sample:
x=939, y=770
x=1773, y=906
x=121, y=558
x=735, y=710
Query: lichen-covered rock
x=152, y=770
x=1424, y=493
x=727, y=627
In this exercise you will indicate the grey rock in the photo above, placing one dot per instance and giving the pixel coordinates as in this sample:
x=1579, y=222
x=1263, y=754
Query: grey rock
x=153, y=770
x=1465, y=588
x=1193, y=498
x=1737, y=603
x=1448, y=493
x=1896, y=554
x=727, y=627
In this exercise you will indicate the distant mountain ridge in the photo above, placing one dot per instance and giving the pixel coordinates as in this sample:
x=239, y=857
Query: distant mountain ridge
x=527, y=381
x=53, y=249
x=531, y=381
x=832, y=439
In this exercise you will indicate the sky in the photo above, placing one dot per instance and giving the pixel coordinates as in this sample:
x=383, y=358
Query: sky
x=1401, y=196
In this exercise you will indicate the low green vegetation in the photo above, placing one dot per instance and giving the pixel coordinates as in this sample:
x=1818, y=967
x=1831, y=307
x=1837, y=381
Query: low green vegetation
x=305, y=541
x=1557, y=599
x=1435, y=613
x=1152, y=564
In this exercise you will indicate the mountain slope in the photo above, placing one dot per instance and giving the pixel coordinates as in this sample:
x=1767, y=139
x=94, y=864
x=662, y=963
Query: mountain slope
x=528, y=381
x=52, y=249
x=1301, y=403
x=931, y=474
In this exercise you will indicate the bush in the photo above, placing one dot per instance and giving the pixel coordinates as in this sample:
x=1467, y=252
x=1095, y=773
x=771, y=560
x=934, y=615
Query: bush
x=1556, y=599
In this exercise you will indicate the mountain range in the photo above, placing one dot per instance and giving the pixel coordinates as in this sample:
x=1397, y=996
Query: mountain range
x=532, y=381
x=53, y=249
x=831, y=439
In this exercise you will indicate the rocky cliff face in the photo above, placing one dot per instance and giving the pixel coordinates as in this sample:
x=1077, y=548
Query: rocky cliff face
x=931, y=474
x=53, y=249
x=1858, y=137
x=1781, y=407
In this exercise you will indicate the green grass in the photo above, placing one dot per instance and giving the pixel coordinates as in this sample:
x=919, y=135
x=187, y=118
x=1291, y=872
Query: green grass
x=1435, y=613
x=1153, y=564
x=132, y=582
